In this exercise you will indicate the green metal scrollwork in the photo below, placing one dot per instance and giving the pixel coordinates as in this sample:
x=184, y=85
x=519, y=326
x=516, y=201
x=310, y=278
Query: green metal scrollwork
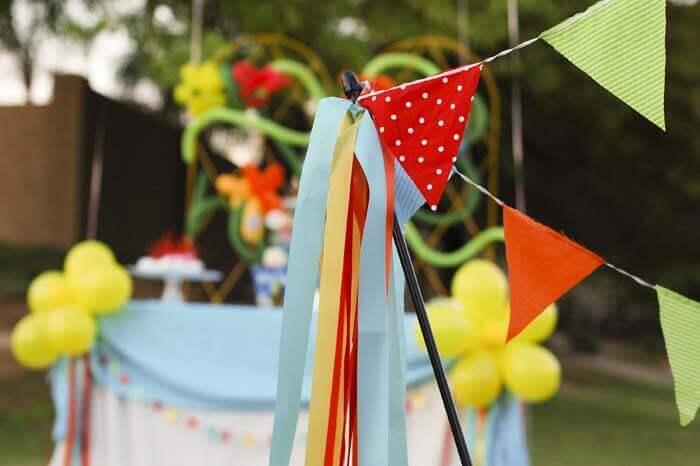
x=238, y=118
x=454, y=258
x=386, y=61
x=303, y=74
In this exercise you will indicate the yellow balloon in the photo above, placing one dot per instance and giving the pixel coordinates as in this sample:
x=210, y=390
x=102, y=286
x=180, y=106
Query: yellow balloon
x=49, y=290
x=541, y=328
x=103, y=290
x=482, y=290
x=530, y=371
x=475, y=379
x=29, y=344
x=453, y=333
x=70, y=331
x=493, y=334
x=87, y=256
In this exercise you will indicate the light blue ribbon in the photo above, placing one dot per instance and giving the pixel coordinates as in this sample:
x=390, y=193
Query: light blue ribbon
x=303, y=272
x=373, y=310
x=382, y=352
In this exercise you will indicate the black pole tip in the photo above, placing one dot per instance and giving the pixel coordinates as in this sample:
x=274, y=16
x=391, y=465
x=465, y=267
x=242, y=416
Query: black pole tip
x=352, y=87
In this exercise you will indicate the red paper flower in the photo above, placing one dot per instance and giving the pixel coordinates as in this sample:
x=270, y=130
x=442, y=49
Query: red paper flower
x=264, y=184
x=256, y=86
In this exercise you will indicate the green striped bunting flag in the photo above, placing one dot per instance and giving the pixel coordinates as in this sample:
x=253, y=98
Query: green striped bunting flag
x=621, y=44
x=680, y=322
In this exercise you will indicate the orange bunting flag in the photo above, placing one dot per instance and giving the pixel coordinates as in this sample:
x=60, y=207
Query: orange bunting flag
x=542, y=266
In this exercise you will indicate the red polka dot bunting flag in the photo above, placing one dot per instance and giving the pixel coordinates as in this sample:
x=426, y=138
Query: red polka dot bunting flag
x=423, y=122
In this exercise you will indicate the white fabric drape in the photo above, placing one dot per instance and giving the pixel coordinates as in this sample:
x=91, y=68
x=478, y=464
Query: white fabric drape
x=125, y=432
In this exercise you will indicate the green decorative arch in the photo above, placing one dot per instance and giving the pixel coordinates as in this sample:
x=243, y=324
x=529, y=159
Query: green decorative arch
x=455, y=258
x=386, y=61
x=242, y=119
x=301, y=73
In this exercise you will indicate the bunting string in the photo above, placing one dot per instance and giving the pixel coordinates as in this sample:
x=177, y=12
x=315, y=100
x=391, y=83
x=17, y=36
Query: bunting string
x=498, y=201
x=453, y=71
x=503, y=53
x=621, y=45
x=632, y=276
x=479, y=187
x=341, y=222
x=570, y=22
x=543, y=264
x=618, y=43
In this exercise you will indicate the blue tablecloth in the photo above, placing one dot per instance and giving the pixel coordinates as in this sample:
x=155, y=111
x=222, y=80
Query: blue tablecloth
x=200, y=356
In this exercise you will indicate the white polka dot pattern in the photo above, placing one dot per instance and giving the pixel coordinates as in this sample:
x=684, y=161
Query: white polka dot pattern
x=426, y=121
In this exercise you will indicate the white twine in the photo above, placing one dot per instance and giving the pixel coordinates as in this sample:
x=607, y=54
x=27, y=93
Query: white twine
x=479, y=187
x=510, y=50
x=632, y=276
x=480, y=64
x=563, y=25
x=422, y=80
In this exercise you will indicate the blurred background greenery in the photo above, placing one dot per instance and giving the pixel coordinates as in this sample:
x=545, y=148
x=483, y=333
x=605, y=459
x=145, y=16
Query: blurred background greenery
x=593, y=168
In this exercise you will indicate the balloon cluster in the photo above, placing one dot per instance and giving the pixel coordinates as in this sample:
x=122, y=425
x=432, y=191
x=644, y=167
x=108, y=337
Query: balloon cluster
x=472, y=325
x=63, y=304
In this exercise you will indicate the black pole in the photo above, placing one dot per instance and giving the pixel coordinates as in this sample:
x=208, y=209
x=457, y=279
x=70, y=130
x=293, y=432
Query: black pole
x=433, y=354
x=352, y=88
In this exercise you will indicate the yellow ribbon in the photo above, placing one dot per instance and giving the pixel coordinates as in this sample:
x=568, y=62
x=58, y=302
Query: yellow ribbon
x=331, y=279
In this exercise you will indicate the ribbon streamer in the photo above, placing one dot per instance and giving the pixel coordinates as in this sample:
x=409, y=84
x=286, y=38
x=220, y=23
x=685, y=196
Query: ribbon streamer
x=305, y=250
x=338, y=285
x=357, y=413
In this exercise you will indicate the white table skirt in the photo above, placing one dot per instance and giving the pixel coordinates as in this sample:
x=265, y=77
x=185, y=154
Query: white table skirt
x=124, y=432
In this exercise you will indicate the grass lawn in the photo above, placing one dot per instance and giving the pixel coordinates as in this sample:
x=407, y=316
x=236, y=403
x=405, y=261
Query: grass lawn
x=596, y=420
x=25, y=420
x=599, y=420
